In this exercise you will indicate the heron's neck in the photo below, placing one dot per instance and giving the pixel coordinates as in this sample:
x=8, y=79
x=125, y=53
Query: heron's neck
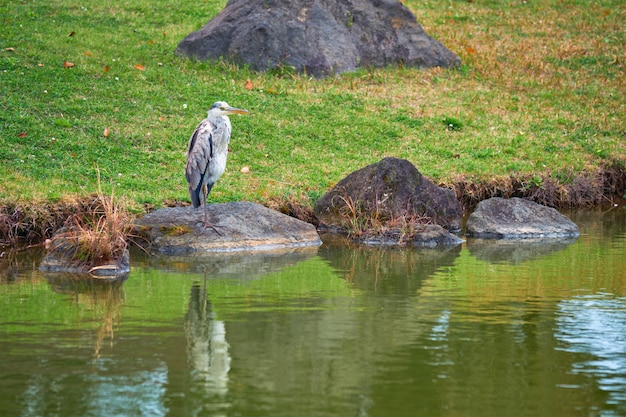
x=219, y=120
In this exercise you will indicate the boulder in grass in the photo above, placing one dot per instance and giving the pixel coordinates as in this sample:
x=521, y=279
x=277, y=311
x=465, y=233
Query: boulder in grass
x=319, y=37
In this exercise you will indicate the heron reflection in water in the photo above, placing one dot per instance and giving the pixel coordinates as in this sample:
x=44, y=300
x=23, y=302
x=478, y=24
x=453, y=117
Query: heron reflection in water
x=207, y=349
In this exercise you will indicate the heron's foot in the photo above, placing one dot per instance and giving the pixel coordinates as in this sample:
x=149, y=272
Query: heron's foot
x=207, y=224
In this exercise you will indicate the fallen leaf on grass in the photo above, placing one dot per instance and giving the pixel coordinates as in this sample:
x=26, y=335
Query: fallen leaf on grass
x=106, y=132
x=9, y=49
x=67, y=64
x=106, y=68
x=397, y=23
x=72, y=33
x=245, y=170
x=139, y=67
x=88, y=53
x=21, y=135
x=248, y=85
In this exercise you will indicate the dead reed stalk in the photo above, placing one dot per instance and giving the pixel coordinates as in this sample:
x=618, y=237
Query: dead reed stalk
x=97, y=235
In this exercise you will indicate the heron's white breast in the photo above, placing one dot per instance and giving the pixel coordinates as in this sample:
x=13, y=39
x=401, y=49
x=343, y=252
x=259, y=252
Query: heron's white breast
x=217, y=167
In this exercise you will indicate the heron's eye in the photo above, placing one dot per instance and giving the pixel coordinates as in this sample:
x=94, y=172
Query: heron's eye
x=222, y=108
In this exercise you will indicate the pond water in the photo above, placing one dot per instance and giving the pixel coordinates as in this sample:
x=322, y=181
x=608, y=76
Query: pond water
x=484, y=329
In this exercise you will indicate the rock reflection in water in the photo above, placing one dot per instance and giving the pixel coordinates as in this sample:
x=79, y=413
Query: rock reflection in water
x=103, y=296
x=241, y=265
x=386, y=270
x=515, y=251
x=330, y=350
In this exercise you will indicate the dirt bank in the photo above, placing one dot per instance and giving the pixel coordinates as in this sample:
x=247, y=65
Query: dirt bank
x=32, y=223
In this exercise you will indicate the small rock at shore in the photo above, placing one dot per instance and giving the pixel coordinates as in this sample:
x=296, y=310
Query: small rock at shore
x=243, y=226
x=516, y=218
x=60, y=259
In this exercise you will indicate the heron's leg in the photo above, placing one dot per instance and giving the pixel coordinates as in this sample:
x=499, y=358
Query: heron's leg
x=204, y=197
x=206, y=189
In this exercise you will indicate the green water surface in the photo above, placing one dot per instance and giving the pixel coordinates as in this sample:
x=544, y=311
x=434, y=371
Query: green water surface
x=484, y=329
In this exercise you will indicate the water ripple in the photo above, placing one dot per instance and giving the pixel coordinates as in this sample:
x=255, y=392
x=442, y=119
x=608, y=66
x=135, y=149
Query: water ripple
x=595, y=326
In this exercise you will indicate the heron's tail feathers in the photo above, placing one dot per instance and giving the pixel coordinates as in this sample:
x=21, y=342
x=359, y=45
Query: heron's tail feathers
x=194, y=194
x=200, y=192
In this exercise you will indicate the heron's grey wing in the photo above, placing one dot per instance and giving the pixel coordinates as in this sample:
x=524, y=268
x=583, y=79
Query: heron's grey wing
x=199, y=155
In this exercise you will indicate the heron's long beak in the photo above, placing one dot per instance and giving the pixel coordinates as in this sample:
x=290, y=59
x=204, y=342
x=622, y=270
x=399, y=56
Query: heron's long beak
x=234, y=110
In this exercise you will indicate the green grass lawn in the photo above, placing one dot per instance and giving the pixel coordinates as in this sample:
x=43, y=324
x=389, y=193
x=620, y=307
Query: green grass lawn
x=541, y=93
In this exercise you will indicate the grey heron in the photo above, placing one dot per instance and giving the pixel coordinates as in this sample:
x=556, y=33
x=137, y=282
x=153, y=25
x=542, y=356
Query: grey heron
x=207, y=152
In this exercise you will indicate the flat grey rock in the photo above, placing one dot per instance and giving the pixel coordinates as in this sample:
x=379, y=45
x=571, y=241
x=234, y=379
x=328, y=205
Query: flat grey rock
x=516, y=218
x=244, y=226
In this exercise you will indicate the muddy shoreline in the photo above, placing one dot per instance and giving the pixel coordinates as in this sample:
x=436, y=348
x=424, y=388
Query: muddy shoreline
x=31, y=224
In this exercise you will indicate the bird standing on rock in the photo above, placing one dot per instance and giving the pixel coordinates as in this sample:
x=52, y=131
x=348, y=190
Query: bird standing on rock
x=207, y=152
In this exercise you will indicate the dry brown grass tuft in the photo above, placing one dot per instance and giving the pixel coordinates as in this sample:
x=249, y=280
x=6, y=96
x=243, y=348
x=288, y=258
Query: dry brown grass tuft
x=360, y=222
x=95, y=236
x=98, y=235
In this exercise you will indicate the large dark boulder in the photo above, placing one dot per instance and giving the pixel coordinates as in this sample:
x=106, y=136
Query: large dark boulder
x=319, y=37
x=390, y=189
x=516, y=218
